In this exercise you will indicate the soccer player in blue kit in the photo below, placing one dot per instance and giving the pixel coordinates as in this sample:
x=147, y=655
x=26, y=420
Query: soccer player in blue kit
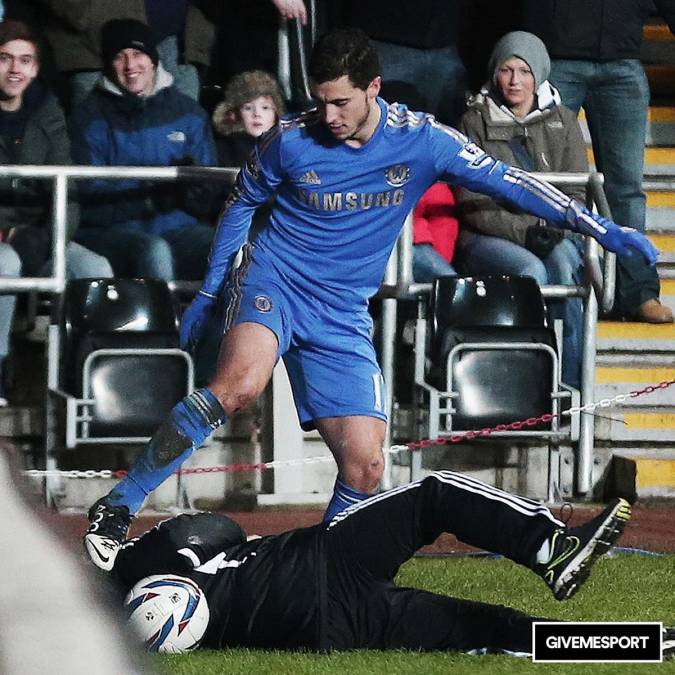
x=344, y=175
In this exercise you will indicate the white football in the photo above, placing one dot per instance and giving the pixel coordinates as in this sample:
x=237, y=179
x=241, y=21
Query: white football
x=167, y=613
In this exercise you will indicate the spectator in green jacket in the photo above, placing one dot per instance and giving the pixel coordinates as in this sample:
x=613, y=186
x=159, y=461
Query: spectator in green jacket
x=32, y=131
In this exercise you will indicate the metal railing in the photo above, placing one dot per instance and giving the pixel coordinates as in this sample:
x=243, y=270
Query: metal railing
x=398, y=281
x=294, y=41
x=61, y=175
x=599, y=282
x=55, y=283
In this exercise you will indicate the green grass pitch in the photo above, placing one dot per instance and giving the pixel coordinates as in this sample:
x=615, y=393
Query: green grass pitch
x=621, y=588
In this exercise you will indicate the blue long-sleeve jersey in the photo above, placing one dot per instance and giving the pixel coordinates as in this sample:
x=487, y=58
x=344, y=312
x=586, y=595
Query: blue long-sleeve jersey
x=339, y=209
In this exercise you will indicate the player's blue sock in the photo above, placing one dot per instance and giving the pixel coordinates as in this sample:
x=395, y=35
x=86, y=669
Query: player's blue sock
x=343, y=496
x=189, y=424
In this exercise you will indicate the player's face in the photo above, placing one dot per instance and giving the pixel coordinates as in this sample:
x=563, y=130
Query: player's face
x=351, y=114
x=258, y=115
x=18, y=68
x=516, y=85
x=135, y=71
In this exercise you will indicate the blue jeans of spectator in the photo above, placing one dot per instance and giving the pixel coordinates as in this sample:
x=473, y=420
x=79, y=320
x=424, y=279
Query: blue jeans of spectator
x=80, y=264
x=615, y=96
x=10, y=266
x=438, y=75
x=483, y=255
x=185, y=75
x=179, y=254
x=429, y=264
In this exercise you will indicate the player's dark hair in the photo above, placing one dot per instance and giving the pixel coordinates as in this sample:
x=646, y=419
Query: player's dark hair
x=344, y=51
x=18, y=30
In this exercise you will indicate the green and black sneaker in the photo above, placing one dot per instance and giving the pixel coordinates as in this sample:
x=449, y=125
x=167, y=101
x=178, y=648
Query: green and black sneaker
x=575, y=549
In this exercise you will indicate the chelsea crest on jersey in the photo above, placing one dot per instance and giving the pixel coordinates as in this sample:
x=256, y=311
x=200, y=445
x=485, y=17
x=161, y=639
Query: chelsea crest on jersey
x=338, y=209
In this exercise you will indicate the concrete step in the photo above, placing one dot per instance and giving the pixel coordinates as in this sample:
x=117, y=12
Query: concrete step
x=660, y=161
x=636, y=476
x=661, y=78
x=666, y=272
x=625, y=424
x=625, y=375
x=665, y=242
x=631, y=336
x=658, y=47
x=660, y=211
x=660, y=126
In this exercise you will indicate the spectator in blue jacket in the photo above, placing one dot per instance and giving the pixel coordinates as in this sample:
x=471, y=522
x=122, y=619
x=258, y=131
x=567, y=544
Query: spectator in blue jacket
x=136, y=117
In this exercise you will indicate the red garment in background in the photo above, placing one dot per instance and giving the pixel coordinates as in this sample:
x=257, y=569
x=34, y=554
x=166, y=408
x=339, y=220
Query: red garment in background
x=434, y=220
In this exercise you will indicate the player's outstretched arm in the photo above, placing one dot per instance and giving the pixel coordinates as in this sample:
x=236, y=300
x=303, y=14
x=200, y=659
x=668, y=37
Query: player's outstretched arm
x=473, y=168
x=539, y=197
x=619, y=240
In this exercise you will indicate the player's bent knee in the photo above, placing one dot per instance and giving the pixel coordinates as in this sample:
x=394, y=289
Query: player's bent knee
x=364, y=475
x=236, y=401
x=236, y=396
x=376, y=467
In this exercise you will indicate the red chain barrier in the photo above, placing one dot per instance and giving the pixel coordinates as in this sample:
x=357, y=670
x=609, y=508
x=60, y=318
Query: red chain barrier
x=425, y=443
x=518, y=425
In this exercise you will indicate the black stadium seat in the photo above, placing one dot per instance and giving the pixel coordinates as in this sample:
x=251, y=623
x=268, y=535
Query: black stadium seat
x=120, y=368
x=119, y=313
x=485, y=356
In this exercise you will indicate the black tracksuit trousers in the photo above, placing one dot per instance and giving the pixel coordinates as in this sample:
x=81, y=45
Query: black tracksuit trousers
x=366, y=545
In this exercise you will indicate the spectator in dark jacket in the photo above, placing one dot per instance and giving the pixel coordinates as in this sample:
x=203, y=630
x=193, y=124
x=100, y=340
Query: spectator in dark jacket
x=595, y=51
x=136, y=117
x=33, y=132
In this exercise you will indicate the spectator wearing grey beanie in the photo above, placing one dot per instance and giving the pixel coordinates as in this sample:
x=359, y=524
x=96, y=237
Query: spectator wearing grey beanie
x=517, y=117
x=525, y=46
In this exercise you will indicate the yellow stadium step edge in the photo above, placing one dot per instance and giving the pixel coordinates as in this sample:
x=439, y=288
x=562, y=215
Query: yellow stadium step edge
x=631, y=375
x=667, y=287
x=665, y=242
x=630, y=330
x=660, y=200
x=657, y=32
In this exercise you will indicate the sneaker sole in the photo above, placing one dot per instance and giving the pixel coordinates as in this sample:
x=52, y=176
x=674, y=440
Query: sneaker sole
x=668, y=650
x=579, y=568
x=102, y=551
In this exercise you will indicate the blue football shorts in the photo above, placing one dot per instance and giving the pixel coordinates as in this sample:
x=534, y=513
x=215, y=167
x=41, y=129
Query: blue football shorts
x=328, y=352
